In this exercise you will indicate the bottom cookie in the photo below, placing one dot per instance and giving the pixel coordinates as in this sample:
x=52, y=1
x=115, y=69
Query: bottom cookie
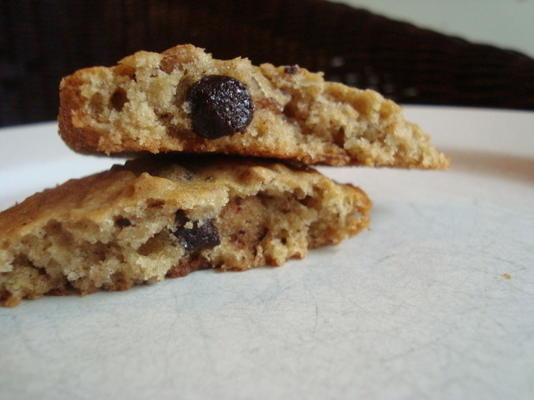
x=166, y=217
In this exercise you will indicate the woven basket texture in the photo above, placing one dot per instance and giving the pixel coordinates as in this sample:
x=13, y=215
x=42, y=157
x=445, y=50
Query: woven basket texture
x=41, y=41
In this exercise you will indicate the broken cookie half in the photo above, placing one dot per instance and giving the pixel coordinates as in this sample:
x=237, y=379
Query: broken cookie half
x=183, y=100
x=165, y=217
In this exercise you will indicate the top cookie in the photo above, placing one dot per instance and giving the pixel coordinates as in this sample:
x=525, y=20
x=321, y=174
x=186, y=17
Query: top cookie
x=184, y=100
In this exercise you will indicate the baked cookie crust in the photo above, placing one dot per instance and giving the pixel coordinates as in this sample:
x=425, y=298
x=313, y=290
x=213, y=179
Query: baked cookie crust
x=142, y=104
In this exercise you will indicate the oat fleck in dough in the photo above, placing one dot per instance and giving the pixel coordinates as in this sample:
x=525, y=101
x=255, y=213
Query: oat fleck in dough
x=141, y=104
x=162, y=217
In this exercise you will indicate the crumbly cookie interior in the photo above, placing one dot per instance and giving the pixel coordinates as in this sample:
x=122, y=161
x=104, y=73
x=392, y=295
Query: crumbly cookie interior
x=136, y=242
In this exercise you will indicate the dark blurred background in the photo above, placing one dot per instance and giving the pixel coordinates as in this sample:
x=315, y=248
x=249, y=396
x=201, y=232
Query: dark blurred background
x=41, y=41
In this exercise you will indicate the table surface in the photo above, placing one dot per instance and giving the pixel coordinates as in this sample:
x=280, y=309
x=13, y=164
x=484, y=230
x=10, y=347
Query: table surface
x=435, y=301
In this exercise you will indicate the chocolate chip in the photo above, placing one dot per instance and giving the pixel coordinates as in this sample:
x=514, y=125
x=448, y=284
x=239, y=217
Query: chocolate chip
x=196, y=237
x=220, y=106
x=123, y=222
x=291, y=69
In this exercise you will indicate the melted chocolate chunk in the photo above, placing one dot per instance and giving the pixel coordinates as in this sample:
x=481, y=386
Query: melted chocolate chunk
x=123, y=222
x=220, y=106
x=197, y=237
x=291, y=69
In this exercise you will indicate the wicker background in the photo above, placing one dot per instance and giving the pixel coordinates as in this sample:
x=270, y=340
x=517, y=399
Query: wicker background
x=41, y=41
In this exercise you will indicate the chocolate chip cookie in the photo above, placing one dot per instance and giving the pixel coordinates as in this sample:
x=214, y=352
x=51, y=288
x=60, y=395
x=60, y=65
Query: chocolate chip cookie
x=163, y=217
x=184, y=100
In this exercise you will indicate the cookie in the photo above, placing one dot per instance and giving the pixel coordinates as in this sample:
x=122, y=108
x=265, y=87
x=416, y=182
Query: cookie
x=183, y=100
x=163, y=217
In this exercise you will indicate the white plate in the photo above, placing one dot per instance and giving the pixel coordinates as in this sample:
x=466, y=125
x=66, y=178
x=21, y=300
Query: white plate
x=420, y=305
